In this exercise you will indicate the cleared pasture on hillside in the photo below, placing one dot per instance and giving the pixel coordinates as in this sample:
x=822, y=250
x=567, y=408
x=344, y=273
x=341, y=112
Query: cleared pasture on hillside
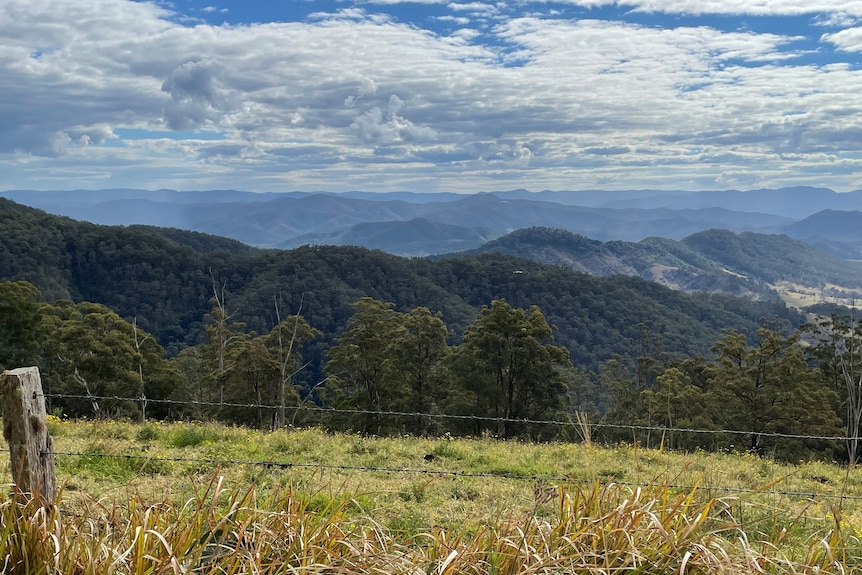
x=182, y=498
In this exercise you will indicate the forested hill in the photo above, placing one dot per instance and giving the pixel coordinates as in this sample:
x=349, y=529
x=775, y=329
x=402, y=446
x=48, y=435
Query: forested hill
x=746, y=264
x=165, y=278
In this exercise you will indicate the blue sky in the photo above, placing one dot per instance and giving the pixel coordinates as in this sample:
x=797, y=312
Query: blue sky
x=430, y=95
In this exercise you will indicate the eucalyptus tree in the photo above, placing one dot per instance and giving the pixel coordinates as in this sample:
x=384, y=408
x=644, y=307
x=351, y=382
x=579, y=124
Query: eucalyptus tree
x=768, y=388
x=681, y=399
x=837, y=348
x=20, y=316
x=250, y=382
x=90, y=351
x=507, y=362
x=360, y=368
x=224, y=338
x=417, y=355
x=284, y=344
x=387, y=361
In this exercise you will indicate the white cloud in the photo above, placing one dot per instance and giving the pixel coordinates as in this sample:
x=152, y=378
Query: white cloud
x=753, y=7
x=474, y=8
x=458, y=20
x=849, y=40
x=198, y=95
x=835, y=20
x=353, y=99
x=466, y=34
x=748, y=7
x=393, y=2
x=374, y=127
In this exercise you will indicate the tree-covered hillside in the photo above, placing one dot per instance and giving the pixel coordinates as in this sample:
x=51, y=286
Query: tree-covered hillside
x=470, y=344
x=166, y=278
x=714, y=261
x=774, y=258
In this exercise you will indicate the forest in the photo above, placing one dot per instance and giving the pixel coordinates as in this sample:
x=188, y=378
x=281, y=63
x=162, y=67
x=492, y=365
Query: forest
x=143, y=322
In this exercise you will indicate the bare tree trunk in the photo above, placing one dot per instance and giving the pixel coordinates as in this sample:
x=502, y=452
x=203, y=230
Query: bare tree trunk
x=853, y=383
x=138, y=344
x=851, y=370
x=223, y=336
x=284, y=362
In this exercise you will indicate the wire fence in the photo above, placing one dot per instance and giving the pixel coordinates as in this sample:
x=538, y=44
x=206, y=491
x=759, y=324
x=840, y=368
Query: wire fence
x=432, y=472
x=559, y=479
x=414, y=414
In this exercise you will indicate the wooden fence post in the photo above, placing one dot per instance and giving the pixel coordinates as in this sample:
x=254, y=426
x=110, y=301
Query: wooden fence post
x=25, y=429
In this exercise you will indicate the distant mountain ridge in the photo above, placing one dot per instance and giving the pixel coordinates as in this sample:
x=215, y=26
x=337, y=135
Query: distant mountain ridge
x=760, y=266
x=416, y=237
x=834, y=231
x=294, y=218
x=164, y=281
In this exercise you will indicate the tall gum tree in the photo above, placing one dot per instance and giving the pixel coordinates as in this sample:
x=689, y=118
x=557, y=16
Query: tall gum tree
x=768, y=387
x=360, y=366
x=507, y=360
x=89, y=350
x=417, y=356
x=837, y=349
x=224, y=336
x=285, y=343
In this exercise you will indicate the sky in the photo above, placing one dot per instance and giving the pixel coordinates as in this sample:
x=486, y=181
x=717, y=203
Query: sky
x=430, y=95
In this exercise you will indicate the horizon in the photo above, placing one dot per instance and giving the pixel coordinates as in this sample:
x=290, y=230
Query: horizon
x=428, y=96
x=415, y=192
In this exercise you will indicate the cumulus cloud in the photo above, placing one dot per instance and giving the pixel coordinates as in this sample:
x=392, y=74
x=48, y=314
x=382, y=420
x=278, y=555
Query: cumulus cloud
x=375, y=127
x=367, y=87
x=198, y=96
x=849, y=40
x=345, y=99
x=749, y=7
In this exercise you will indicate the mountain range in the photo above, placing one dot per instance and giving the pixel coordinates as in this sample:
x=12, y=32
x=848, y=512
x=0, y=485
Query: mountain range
x=417, y=224
x=164, y=281
x=748, y=264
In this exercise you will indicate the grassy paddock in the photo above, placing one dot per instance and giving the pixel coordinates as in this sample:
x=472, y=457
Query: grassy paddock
x=183, y=498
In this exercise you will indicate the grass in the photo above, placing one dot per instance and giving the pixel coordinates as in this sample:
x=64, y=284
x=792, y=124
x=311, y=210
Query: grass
x=169, y=501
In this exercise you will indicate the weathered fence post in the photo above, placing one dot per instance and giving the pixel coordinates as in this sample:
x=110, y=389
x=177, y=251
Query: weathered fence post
x=25, y=429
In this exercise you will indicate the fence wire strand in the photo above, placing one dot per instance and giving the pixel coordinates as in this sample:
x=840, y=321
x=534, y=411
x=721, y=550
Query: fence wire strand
x=286, y=465
x=414, y=414
x=561, y=479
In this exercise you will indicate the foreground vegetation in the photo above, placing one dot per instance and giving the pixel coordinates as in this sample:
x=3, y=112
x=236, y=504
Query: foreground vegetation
x=204, y=498
x=154, y=324
x=505, y=377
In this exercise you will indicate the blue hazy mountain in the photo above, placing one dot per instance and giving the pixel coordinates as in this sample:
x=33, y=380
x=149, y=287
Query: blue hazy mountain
x=448, y=220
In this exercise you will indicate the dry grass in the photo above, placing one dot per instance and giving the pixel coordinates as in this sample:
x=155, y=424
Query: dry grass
x=800, y=296
x=573, y=508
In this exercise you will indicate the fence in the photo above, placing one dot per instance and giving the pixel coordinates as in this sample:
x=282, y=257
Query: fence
x=413, y=414
x=288, y=465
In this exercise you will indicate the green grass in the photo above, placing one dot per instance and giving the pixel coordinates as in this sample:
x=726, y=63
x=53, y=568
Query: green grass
x=182, y=498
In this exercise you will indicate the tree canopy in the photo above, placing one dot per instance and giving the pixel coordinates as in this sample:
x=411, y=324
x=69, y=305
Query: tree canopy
x=186, y=327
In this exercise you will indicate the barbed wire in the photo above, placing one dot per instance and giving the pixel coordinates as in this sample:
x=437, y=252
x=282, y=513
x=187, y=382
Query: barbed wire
x=562, y=479
x=414, y=414
x=287, y=465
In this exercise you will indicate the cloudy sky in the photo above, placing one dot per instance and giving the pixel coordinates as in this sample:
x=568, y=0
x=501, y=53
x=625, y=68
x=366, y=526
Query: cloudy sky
x=428, y=95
